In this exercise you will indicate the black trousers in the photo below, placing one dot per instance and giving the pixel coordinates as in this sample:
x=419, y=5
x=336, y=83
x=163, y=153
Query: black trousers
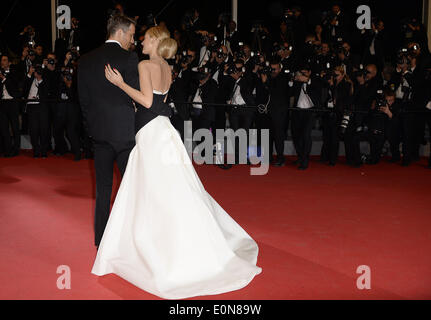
x=66, y=119
x=302, y=125
x=9, y=118
x=412, y=135
x=352, y=141
x=279, y=121
x=263, y=121
x=241, y=118
x=331, y=140
x=376, y=141
x=38, y=125
x=393, y=135
x=105, y=154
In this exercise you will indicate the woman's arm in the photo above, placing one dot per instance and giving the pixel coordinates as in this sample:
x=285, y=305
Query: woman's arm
x=143, y=96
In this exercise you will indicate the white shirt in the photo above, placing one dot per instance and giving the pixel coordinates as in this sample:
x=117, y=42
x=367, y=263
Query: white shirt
x=115, y=41
x=204, y=56
x=237, y=98
x=6, y=94
x=304, y=101
x=198, y=98
x=33, y=91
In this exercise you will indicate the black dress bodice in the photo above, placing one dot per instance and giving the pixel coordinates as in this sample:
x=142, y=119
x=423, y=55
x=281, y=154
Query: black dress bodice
x=144, y=115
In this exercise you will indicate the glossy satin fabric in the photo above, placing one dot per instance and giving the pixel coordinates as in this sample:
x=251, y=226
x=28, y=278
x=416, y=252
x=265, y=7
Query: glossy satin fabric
x=166, y=234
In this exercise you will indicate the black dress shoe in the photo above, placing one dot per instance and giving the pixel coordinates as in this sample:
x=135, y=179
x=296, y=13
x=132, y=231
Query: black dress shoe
x=44, y=155
x=36, y=155
x=332, y=163
x=77, y=157
x=302, y=167
x=280, y=162
x=394, y=159
x=405, y=163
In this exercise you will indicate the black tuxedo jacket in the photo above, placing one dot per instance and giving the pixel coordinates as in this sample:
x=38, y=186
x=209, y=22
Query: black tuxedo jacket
x=108, y=111
x=314, y=91
x=209, y=95
x=13, y=84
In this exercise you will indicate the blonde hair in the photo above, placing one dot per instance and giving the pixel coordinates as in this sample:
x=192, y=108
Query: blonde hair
x=167, y=47
x=345, y=77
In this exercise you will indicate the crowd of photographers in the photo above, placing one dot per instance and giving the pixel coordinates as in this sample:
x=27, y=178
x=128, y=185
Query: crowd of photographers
x=339, y=81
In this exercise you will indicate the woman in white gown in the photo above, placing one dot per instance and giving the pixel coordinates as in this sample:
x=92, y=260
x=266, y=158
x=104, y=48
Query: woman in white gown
x=166, y=234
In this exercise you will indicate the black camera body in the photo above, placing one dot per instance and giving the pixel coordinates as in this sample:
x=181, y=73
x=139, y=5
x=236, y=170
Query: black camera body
x=232, y=68
x=67, y=73
x=360, y=72
x=4, y=72
x=380, y=100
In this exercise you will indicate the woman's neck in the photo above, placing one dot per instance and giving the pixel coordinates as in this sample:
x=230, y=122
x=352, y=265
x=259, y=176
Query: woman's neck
x=154, y=56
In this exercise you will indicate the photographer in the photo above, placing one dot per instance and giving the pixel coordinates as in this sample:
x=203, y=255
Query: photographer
x=67, y=115
x=366, y=87
x=307, y=93
x=243, y=110
x=217, y=65
x=335, y=24
x=384, y=123
x=285, y=52
x=28, y=57
x=205, y=91
x=346, y=58
x=273, y=89
x=9, y=110
x=28, y=37
x=337, y=94
x=412, y=92
x=374, y=44
x=36, y=88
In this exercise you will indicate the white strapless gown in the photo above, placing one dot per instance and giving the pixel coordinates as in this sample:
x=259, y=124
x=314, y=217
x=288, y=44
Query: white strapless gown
x=166, y=234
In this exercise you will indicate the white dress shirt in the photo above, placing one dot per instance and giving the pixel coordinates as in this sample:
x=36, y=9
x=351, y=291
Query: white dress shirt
x=237, y=98
x=6, y=94
x=198, y=98
x=304, y=101
x=33, y=93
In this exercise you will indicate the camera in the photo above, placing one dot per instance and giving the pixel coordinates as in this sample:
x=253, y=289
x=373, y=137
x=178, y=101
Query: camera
x=233, y=69
x=39, y=69
x=403, y=56
x=51, y=61
x=4, y=72
x=184, y=58
x=360, y=72
x=289, y=74
x=67, y=73
x=328, y=72
x=380, y=100
x=200, y=73
x=347, y=116
x=266, y=69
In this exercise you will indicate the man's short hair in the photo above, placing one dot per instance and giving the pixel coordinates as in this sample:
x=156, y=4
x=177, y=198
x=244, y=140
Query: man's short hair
x=389, y=93
x=119, y=21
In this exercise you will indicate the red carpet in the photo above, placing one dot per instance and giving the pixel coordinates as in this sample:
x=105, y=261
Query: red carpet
x=313, y=227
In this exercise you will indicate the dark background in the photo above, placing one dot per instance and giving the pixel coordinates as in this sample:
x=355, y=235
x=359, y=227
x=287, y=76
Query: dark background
x=93, y=14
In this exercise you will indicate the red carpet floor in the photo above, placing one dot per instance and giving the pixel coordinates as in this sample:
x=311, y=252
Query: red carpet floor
x=314, y=228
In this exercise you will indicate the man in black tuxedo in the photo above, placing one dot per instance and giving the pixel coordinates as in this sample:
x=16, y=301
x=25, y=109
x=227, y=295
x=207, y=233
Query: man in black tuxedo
x=9, y=109
x=109, y=113
x=307, y=92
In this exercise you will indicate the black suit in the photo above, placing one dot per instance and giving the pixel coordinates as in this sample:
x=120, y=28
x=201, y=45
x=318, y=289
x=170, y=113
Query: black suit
x=277, y=91
x=38, y=116
x=109, y=116
x=303, y=120
x=9, y=112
